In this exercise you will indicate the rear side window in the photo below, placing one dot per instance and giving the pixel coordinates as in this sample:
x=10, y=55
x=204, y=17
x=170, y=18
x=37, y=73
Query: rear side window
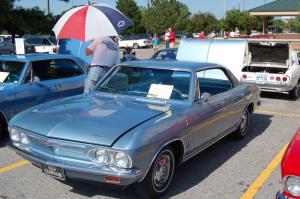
x=213, y=81
x=67, y=68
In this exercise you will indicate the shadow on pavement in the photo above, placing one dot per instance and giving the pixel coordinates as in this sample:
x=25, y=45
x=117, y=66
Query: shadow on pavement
x=271, y=95
x=202, y=165
x=191, y=172
x=92, y=189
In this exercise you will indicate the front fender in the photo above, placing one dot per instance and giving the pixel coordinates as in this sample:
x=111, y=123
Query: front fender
x=145, y=141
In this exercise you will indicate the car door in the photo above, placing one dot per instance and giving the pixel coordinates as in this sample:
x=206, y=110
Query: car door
x=212, y=114
x=45, y=78
x=71, y=77
x=218, y=82
x=28, y=93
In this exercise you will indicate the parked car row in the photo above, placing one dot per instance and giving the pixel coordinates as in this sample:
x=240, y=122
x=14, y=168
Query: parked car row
x=135, y=41
x=143, y=119
x=32, y=44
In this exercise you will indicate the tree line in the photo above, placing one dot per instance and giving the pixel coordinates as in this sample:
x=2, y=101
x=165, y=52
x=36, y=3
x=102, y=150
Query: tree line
x=160, y=15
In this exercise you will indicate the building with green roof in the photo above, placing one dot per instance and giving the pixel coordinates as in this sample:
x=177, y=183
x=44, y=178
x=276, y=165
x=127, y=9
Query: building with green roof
x=276, y=8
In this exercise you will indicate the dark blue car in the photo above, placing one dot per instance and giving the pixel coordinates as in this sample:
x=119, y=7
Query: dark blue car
x=33, y=79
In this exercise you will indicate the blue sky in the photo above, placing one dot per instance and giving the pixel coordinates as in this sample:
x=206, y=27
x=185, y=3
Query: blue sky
x=213, y=6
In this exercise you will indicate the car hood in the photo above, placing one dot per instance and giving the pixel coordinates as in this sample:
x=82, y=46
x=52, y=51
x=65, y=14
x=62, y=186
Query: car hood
x=5, y=86
x=88, y=119
x=291, y=162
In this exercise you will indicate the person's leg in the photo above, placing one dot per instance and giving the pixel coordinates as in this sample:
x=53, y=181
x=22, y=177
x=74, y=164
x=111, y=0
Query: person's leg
x=172, y=45
x=167, y=43
x=92, y=79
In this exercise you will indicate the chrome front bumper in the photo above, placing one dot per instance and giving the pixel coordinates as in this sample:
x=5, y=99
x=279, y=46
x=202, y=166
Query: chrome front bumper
x=77, y=171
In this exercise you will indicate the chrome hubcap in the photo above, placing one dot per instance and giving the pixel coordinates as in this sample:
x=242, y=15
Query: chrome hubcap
x=244, y=122
x=162, y=170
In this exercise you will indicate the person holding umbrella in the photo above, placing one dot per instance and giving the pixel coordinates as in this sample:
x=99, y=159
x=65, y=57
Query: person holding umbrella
x=105, y=53
x=98, y=23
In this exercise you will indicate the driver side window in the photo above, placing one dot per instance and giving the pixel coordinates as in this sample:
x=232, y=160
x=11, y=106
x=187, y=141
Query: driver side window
x=213, y=81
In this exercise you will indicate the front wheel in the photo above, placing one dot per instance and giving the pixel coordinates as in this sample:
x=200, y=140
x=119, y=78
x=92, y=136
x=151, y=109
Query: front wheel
x=135, y=46
x=295, y=93
x=159, y=176
x=242, y=130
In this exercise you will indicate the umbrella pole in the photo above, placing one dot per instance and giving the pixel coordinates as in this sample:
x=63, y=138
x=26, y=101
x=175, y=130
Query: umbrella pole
x=79, y=48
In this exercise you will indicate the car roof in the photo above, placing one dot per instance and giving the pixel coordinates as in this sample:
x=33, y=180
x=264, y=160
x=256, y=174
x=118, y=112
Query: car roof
x=171, y=64
x=35, y=57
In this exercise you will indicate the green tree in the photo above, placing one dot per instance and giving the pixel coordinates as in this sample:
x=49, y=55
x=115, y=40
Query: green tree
x=236, y=19
x=206, y=22
x=130, y=9
x=5, y=14
x=294, y=25
x=256, y=23
x=32, y=21
x=164, y=14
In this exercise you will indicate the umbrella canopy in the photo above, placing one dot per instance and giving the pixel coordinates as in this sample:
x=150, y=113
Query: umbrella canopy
x=91, y=22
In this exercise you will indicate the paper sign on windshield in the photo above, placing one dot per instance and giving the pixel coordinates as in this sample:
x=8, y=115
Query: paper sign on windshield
x=3, y=76
x=160, y=91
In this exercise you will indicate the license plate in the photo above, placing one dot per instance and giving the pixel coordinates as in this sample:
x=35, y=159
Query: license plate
x=262, y=77
x=54, y=172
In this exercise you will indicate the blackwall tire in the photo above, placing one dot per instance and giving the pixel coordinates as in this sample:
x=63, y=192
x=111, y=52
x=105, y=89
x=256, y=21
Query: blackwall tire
x=242, y=130
x=159, y=175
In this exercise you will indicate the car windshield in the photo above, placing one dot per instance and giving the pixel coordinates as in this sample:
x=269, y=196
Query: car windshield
x=10, y=71
x=148, y=82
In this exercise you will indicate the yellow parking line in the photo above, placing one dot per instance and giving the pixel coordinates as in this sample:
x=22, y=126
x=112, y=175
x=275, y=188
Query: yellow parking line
x=276, y=113
x=12, y=166
x=260, y=180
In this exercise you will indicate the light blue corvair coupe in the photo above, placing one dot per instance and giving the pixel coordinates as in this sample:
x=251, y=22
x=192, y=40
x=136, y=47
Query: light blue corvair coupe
x=144, y=118
x=33, y=79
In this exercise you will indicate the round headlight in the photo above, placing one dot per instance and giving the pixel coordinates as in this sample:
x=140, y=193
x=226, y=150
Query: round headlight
x=122, y=160
x=23, y=138
x=292, y=185
x=14, y=135
x=102, y=157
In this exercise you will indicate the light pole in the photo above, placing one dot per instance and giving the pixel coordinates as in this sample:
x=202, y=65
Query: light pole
x=224, y=8
x=48, y=6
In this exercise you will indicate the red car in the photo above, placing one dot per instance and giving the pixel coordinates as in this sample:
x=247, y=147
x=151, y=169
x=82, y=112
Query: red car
x=290, y=170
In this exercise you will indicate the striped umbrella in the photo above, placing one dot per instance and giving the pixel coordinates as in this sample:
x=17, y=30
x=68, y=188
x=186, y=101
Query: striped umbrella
x=91, y=22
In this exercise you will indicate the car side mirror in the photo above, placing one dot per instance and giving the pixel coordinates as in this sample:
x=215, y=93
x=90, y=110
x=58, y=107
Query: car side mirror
x=205, y=96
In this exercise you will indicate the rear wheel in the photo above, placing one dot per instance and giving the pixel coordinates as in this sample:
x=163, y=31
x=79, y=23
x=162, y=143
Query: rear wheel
x=159, y=176
x=135, y=46
x=295, y=93
x=242, y=130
